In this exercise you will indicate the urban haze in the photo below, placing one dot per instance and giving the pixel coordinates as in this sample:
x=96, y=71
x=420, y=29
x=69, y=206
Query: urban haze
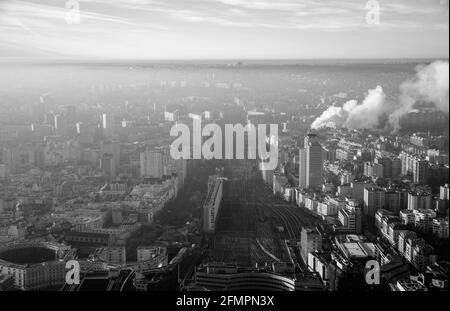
x=224, y=145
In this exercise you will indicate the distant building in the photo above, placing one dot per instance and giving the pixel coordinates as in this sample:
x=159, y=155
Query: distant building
x=108, y=124
x=386, y=163
x=374, y=170
x=107, y=165
x=419, y=200
x=152, y=164
x=113, y=148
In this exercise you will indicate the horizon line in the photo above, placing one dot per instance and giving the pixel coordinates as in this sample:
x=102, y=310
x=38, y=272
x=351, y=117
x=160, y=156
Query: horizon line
x=236, y=61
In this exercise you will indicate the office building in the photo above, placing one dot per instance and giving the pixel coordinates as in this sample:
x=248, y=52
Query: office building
x=314, y=165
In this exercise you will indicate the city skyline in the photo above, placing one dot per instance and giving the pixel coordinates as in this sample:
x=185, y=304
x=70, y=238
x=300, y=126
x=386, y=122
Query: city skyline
x=190, y=147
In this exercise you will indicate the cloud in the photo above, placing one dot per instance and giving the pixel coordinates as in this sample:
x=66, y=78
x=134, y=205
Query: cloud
x=56, y=14
x=284, y=24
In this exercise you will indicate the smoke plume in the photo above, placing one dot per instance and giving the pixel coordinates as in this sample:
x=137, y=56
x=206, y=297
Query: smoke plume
x=356, y=116
x=430, y=84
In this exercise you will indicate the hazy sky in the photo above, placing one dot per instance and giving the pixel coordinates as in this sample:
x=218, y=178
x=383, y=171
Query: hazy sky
x=223, y=29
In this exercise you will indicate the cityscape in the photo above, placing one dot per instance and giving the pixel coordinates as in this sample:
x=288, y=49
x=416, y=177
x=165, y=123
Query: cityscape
x=242, y=173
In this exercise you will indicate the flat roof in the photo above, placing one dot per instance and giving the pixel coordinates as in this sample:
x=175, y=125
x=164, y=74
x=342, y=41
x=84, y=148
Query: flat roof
x=354, y=250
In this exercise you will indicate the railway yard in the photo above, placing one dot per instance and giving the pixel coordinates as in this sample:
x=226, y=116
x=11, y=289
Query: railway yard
x=254, y=227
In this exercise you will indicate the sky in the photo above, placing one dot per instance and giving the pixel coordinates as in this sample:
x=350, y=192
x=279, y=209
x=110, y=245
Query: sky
x=223, y=29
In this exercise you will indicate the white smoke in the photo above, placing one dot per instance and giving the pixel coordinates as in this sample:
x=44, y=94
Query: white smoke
x=356, y=116
x=430, y=84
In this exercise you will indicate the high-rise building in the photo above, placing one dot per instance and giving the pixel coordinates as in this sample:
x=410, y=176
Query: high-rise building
x=108, y=124
x=302, y=168
x=314, y=165
x=374, y=199
x=60, y=124
x=420, y=171
x=152, y=164
x=386, y=163
x=444, y=193
x=407, y=163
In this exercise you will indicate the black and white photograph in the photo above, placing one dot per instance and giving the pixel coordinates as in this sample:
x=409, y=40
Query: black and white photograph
x=224, y=153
